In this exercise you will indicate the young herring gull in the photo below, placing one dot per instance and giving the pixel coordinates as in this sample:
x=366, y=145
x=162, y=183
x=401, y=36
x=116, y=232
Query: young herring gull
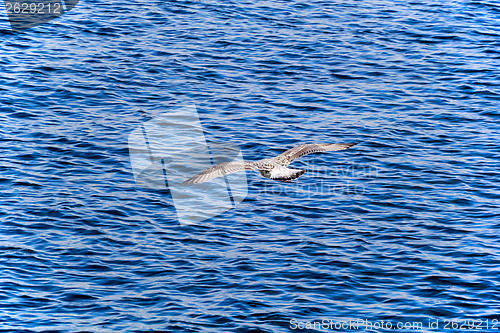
x=273, y=168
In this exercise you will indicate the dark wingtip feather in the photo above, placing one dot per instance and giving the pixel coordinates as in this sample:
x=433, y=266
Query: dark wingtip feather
x=349, y=145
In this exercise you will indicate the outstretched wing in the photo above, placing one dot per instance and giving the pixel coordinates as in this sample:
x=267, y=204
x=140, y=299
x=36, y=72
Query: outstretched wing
x=296, y=152
x=220, y=170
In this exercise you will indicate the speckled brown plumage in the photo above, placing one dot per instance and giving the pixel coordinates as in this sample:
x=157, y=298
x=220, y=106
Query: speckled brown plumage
x=272, y=168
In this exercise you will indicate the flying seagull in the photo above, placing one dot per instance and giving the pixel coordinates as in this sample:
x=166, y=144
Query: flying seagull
x=273, y=168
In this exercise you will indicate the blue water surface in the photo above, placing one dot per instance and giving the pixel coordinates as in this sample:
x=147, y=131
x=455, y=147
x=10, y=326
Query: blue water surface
x=404, y=227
